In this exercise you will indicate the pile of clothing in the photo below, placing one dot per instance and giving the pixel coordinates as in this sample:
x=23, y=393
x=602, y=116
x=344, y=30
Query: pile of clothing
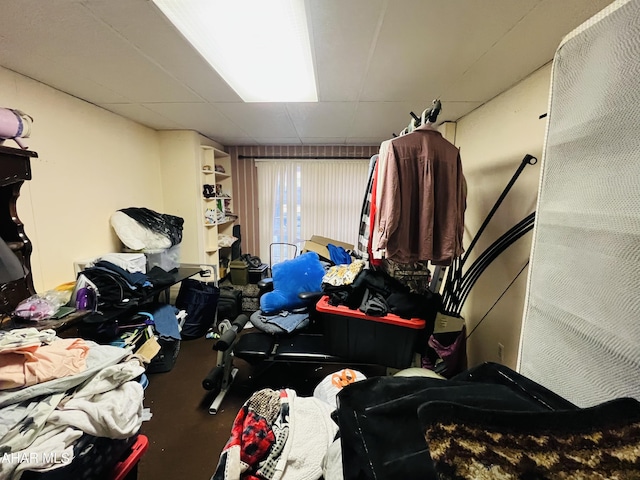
x=278, y=435
x=376, y=293
x=54, y=391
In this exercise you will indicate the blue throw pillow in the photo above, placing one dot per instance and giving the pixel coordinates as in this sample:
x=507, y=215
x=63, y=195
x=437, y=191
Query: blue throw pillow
x=301, y=274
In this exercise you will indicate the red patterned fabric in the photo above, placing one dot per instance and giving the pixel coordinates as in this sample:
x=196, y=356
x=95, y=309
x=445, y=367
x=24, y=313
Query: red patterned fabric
x=253, y=434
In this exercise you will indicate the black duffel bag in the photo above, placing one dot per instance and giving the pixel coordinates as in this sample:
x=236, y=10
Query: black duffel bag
x=200, y=301
x=230, y=304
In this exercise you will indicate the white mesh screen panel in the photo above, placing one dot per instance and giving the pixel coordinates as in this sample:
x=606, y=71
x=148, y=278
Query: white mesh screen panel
x=581, y=326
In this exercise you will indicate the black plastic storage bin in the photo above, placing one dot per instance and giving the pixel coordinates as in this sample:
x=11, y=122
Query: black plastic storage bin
x=389, y=341
x=258, y=273
x=166, y=357
x=200, y=301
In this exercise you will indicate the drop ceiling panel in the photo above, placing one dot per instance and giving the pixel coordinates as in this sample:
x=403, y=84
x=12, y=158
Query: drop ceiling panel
x=230, y=140
x=54, y=75
x=343, y=33
x=329, y=119
x=140, y=114
x=381, y=119
x=425, y=45
x=80, y=40
x=193, y=116
x=516, y=56
x=260, y=120
x=161, y=43
x=138, y=80
x=376, y=60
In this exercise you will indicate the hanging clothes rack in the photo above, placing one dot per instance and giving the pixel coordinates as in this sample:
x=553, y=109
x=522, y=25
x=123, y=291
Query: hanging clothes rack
x=428, y=115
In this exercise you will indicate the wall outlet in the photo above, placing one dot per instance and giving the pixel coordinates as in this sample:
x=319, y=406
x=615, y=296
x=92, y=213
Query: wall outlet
x=500, y=352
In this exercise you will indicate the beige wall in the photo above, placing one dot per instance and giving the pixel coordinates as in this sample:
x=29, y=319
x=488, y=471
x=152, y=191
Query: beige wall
x=493, y=140
x=91, y=163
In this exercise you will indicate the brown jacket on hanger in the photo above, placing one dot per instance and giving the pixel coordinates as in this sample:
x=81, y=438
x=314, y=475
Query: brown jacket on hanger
x=423, y=199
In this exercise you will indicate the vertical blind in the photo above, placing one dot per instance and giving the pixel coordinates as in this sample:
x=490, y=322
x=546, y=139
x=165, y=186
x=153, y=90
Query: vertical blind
x=301, y=198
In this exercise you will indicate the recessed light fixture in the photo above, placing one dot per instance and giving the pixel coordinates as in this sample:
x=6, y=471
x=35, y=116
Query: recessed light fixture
x=261, y=48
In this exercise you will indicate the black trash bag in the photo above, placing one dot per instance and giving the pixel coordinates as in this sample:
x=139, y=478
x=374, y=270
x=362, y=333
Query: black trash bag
x=168, y=225
x=200, y=301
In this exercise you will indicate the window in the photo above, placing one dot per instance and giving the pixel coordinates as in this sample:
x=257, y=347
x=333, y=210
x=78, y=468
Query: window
x=301, y=198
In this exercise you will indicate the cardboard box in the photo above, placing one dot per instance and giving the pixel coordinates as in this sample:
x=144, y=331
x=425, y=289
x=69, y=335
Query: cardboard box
x=319, y=244
x=447, y=323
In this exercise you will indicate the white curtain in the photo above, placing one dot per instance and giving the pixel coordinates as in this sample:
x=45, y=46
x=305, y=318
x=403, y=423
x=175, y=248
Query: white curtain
x=301, y=198
x=332, y=193
x=277, y=197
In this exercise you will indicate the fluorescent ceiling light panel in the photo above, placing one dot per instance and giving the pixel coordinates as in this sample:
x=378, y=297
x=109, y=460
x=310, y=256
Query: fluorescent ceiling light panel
x=260, y=47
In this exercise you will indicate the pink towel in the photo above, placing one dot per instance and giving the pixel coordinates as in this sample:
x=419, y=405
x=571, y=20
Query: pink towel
x=30, y=364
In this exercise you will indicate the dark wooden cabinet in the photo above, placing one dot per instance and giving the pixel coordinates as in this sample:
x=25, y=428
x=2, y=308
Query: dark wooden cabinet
x=15, y=169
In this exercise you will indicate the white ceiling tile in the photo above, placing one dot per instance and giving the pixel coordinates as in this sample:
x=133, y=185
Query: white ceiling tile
x=193, y=116
x=343, y=33
x=516, y=56
x=376, y=61
x=162, y=44
x=104, y=56
x=260, y=120
x=51, y=73
x=143, y=115
x=233, y=141
x=381, y=119
x=133, y=75
x=424, y=45
x=330, y=119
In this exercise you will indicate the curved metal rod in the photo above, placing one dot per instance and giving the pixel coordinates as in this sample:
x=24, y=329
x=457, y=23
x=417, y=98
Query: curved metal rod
x=453, y=294
x=527, y=160
x=457, y=296
x=470, y=280
x=471, y=277
x=454, y=274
